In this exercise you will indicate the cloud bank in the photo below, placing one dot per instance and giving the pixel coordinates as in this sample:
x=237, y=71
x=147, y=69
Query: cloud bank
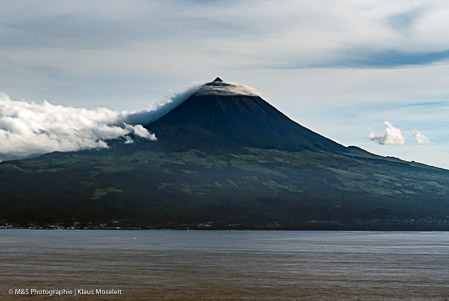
x=392, y=136
x=122, y=38
x=29, y=128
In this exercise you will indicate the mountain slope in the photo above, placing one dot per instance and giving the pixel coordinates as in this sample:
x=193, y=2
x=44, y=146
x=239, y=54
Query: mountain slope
x=225, y=159
x=215, y=117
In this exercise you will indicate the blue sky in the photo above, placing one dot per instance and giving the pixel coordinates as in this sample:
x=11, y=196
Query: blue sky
x=341, y=68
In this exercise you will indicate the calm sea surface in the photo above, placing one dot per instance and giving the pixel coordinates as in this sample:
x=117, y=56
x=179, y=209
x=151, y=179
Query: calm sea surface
x=225, y=265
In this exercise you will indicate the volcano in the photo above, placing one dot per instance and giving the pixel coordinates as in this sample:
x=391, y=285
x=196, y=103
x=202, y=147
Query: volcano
x=224, y=159
x=222, y=114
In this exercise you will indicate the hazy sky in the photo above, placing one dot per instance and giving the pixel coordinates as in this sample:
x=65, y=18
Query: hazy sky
x=369, y=73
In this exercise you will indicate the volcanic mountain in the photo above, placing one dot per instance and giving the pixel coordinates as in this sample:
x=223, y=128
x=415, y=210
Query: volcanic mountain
x=223, y=114
x=224, y=159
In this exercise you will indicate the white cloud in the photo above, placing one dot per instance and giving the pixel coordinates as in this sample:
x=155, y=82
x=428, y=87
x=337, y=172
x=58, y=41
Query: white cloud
x=392, y=136
x=420, y=138
x=28, y=128
x=159, y=109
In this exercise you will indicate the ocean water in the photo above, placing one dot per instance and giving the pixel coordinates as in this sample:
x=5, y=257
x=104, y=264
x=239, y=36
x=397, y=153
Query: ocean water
x=224, y=265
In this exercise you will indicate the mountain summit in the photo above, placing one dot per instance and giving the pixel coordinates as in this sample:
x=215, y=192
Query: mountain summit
x=220, y=87
x=228, y=114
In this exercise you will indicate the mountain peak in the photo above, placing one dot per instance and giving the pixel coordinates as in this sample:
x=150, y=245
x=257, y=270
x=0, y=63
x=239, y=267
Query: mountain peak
x=222, y=114
x=220, y=87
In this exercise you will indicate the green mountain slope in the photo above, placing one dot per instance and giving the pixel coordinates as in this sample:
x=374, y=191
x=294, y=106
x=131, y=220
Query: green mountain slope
x=147, y=186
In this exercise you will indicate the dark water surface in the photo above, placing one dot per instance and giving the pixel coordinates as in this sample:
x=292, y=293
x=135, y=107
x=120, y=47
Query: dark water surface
x=226, y=265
